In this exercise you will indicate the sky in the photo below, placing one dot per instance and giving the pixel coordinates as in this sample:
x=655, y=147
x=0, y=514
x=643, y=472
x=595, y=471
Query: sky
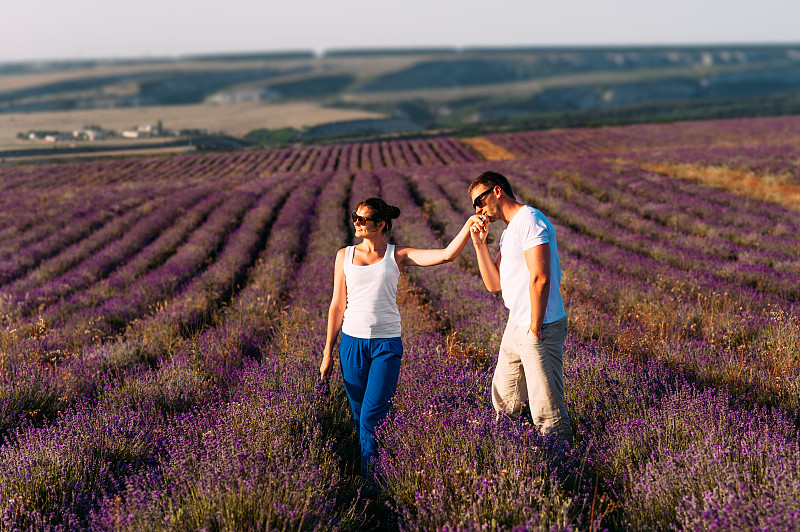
x=109, y=29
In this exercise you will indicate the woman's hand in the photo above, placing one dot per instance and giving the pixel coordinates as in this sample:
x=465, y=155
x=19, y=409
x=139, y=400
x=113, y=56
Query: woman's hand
x=480, y=220
x=326, y=367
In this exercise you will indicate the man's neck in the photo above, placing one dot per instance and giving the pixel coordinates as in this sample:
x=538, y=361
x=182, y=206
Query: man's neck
x=509, y=210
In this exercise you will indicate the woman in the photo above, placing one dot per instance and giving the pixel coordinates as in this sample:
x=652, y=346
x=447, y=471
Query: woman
x=364, y=308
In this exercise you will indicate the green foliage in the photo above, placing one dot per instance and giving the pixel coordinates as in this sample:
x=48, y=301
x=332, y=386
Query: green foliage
x=273, y=137
x=657, y=112
x=313, y=87
x=192, y=132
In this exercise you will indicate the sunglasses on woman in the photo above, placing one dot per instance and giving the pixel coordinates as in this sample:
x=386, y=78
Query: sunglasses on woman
x=361, y=220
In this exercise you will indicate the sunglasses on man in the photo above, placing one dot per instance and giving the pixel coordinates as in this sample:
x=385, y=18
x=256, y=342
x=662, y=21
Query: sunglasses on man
x=361, y=220
x=478, y=201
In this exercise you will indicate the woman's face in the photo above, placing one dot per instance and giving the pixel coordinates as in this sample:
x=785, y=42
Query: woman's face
x=365, y=227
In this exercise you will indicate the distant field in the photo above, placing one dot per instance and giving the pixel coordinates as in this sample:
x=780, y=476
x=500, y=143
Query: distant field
x=458, y=91
x=234, y=119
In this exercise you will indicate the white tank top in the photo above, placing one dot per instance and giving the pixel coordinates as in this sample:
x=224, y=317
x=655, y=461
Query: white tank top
x=371, y=297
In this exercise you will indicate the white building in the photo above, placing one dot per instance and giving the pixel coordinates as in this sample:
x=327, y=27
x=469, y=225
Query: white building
x=59, y=137
x=89, y=134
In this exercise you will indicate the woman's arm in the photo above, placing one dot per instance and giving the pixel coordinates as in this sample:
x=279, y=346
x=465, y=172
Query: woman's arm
x=407, y=256
x=335, y=314
x=490, y=269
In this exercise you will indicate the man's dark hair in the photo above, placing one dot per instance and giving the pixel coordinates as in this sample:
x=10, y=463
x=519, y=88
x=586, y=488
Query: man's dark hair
x=493, y=179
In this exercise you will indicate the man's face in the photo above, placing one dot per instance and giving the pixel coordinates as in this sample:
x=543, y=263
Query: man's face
x=485, y=203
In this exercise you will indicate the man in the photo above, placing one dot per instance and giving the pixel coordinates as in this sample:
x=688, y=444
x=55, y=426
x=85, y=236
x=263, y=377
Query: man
x=528, y=271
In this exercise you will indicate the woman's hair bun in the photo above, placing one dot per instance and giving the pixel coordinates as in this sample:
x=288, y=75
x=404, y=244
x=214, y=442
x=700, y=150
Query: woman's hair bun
x=381, y=211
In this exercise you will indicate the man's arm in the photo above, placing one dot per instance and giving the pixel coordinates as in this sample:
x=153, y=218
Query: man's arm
x=490, y=272
x=537, y=259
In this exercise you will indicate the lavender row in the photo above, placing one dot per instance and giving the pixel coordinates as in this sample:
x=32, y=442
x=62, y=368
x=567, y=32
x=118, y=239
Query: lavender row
x=26, y=347
x=711, y=335
x=150, y=257
x=569, y=142
x=117, y=172
x=197, y=167
x=654, y=204
x=699, y=210
x=66, y=273
x=621, y=139
x=47, y=391
x=241, y=329
x=194, y=306
x=30, y=216
x=84, y=224
x=158, y=285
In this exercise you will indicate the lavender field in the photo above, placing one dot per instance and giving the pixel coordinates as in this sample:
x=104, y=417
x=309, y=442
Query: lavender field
x=162, y=322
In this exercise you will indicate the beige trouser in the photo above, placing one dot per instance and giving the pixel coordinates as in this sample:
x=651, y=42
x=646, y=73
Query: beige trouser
x=532, y=369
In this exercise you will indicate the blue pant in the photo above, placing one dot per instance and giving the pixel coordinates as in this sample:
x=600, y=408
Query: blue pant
x=371, y=368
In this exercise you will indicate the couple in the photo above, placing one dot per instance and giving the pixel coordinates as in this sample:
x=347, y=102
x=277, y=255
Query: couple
x=527, y=269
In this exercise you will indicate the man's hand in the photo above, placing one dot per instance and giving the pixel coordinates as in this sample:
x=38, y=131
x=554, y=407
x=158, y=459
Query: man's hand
x=479, y=229
x=537, y=331
x=479, y=219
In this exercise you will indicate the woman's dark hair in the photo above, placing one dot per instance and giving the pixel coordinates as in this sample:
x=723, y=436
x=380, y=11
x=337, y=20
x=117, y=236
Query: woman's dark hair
x=381, y=211
x=491, y=180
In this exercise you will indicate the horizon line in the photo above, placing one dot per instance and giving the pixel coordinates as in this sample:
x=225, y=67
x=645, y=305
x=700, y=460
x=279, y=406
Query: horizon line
x=388, y=50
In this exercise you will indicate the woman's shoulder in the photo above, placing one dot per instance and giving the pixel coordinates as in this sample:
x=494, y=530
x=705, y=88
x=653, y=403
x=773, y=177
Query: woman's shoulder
x=399, y=250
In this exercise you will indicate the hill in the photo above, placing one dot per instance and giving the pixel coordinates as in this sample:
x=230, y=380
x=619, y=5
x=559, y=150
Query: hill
x=470, y=90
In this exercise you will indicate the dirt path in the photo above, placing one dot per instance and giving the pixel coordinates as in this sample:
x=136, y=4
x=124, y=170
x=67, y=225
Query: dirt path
x=488, y=149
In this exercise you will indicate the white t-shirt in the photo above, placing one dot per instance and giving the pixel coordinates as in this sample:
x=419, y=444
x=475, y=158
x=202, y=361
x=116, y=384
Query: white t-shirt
x=528, y=228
